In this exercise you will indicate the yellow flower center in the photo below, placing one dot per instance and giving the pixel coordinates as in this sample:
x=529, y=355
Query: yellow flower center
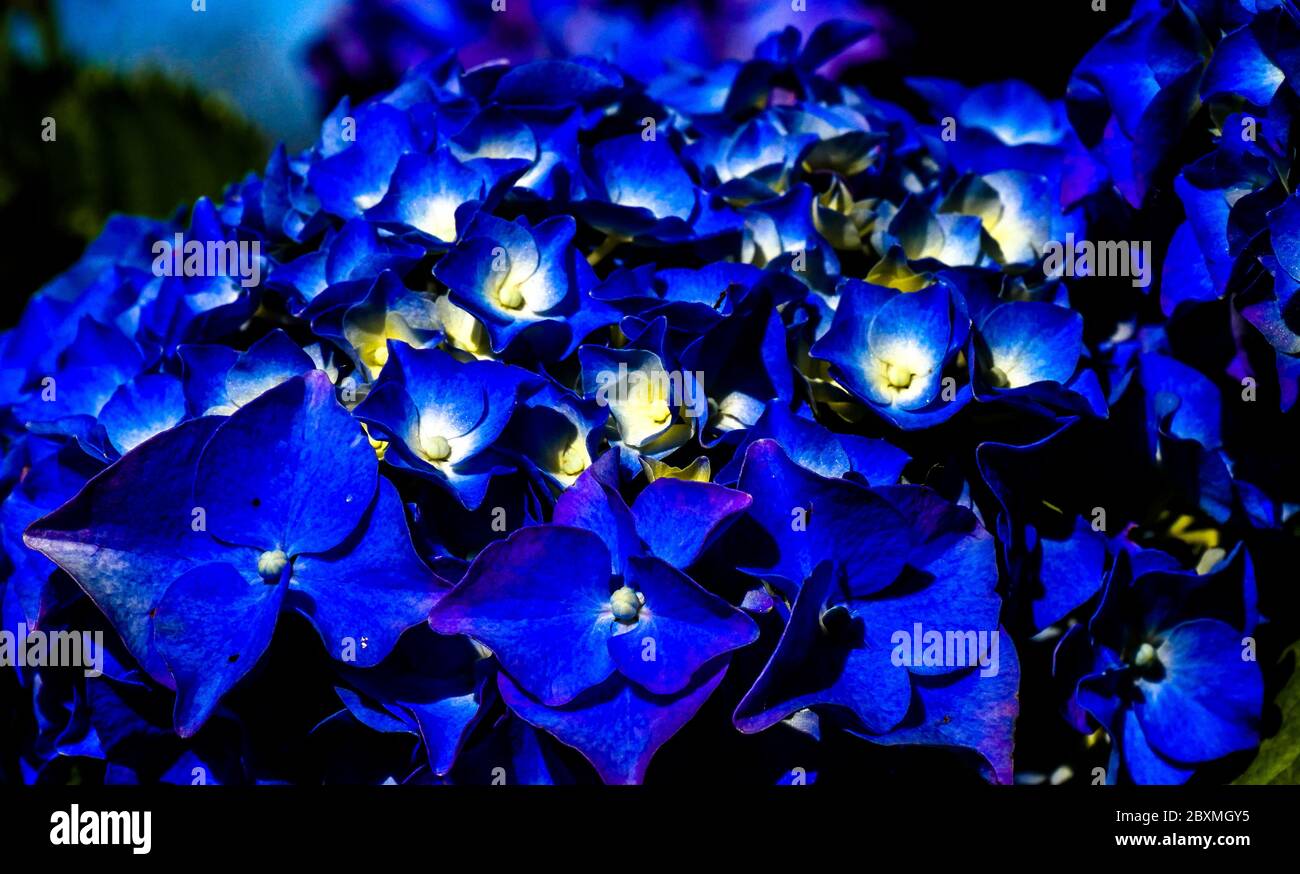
x=376, y=356
x=573, y=460
x=270, y=565
x=898, y=375
x=435, y=448
x=625, y=604
x=511, y=297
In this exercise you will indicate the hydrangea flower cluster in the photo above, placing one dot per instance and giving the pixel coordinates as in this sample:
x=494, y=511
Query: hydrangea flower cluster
x=577, y=413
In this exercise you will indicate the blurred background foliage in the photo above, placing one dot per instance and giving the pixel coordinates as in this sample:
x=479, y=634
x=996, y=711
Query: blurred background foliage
x=135, y=142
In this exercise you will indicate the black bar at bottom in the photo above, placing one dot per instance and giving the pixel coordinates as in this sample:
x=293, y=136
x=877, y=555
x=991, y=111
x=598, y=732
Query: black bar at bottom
x=494, y=824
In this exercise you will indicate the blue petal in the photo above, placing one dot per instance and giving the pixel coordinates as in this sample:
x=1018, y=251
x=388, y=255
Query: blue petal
x=1185, y=278
x=204, y=377
x=842, y=521
x=99, y=360
x=969, y=711
x=1284, y=232
x=955, y=588
x=426, y=192
x=1144, y=765
x=431, y=687
x=273, y=359
x=1208, y=702
x=808, y=443
x=374, y=717
x=677, y=518
x=1239, y=66
x=1028, y=342
x=540, y=600
x=618, y=726
x=679, y=629
x=1070, y=571
x=809, y=668
x=358, y=252
x=468, y=404
x=1180, y=400
x=644, y=174
x=141, y=408
x=357, y=177
x=1208, y=214
x=127, y=535
x=371, y=588
x=308, y=502
x=581, y=81
x=211, y=627
x=1013, y=111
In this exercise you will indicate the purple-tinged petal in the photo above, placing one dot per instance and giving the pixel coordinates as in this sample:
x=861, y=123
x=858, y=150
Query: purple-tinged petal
x=618, y=727
x=810, y=518
x=594, y=506
x=540, y=600
x=968, y=710
x=678, y=518
x=129, y=533
x=680, y=628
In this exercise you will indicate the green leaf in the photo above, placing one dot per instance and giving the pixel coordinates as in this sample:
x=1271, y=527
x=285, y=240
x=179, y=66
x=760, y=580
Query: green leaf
x=1278, y=762
x=138, y=143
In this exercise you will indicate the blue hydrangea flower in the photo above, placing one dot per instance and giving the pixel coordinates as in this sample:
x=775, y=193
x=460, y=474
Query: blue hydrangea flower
x=863, y=567
x=218, y=380
x=357, y=174
x=363, y=325
x=1165, y=667
x=196, y=590
x=612, y=664
x=348, y=256
x=638, y=187
x=655, y=410
x=442, y=416
x=892, y=350
x=513, y=276
x=735, y=384
x=557, y=433
x=1031, y=352
x=427, y=193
